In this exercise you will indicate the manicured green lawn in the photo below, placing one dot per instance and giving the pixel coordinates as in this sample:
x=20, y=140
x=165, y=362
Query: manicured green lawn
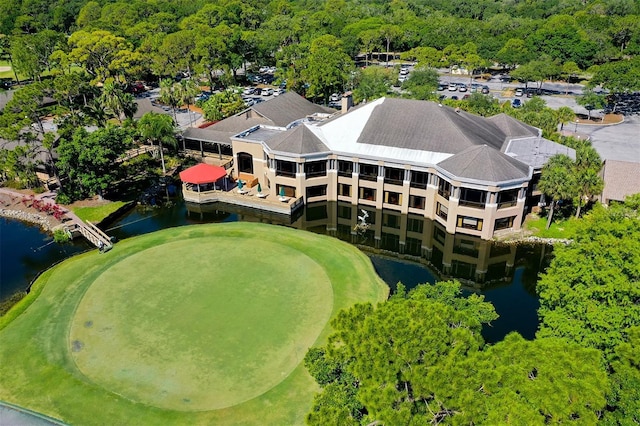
x=97, y=214
x=205, y=324
x=561, y=228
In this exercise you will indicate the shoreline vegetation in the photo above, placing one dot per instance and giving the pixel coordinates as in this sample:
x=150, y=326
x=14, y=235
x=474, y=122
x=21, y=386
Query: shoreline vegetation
x=13, y=206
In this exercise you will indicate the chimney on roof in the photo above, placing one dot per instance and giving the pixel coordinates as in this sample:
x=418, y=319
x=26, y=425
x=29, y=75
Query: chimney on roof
x=347, y=102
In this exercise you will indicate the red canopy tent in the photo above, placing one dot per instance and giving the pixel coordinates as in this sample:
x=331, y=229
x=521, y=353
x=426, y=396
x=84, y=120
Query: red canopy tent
x=202, y=173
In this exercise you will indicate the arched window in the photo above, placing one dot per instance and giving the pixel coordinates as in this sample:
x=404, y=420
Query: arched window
x=245, y=163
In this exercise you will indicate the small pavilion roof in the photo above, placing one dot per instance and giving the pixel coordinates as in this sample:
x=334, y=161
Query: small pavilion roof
x=202, y=173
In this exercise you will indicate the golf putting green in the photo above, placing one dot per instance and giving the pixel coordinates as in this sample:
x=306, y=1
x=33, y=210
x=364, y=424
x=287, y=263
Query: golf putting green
x=200, y=324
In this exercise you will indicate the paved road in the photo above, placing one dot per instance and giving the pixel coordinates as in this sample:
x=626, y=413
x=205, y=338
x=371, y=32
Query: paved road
x=616, y=142
x=15, y=416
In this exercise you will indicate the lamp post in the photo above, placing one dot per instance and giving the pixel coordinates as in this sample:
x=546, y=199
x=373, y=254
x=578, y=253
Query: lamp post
x=576, y=129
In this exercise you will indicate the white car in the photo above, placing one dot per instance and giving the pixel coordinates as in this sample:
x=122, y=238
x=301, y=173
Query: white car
x=335, y=97
x=453, y=87
x=267, y=92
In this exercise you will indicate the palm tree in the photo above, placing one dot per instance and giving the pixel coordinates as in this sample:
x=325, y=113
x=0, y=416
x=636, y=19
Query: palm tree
x=565, y=115
x=557, y=181
x=587, y=170
x=112, y=99
x=169, y=95
x=159, y=128
x=187, y=91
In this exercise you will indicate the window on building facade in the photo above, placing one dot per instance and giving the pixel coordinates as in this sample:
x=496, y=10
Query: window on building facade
x=285, y=168
x=442, y=211
x=394, y=198
x=289, y=191
x=367, y=194
x=508, y=198
x=368, y=172
x=472, y=198
x=468, y=222
x=315, y=169
x=245, y=163
x=393, y=176
x=391, y=220
x=504, y=223
x=444, y=188
x=417, y=202
x=345, y=168
x=419, y=179
x=344, y=190
x=415, y=224
x=316, y=191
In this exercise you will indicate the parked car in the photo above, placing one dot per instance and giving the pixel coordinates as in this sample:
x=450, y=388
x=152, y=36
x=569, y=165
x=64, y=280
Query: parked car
x=462, y=87
x=248, y=91
x=453, y=87
x=519, y=91
x=403, y=78
x=485, y=90
x=442, y=86
x=454, y=98
x=267, y=92
x=334, y=97
x=516, y=103
x=404, y=71
x=257, y=91
x=278, y=92
x=202, y=97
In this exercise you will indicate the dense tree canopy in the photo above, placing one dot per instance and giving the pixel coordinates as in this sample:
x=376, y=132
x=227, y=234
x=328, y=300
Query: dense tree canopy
x=89, y=160
x=419, y=359
x=590, y=293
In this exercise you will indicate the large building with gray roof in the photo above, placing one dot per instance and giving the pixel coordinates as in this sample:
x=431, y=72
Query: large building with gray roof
x=471, y=174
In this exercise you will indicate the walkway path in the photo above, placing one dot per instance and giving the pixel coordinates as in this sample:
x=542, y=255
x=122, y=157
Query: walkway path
x=12, y=415
x=71, y=223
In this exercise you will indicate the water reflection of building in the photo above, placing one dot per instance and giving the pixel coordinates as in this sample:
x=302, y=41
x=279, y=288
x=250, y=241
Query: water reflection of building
x=408, y=236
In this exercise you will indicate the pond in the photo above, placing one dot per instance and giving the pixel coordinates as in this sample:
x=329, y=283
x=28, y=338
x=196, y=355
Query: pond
x=403, y=248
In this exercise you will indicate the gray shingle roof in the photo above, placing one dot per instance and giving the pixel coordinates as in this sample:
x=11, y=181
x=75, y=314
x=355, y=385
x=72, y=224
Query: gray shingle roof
x=420, y=125
x=145, y=106
x=513, y=128
x=287, y=108
x=536, y=151
x=239, y=123
x=484, y=163
x=208, y=135
x=299, y=140
x=621, y=178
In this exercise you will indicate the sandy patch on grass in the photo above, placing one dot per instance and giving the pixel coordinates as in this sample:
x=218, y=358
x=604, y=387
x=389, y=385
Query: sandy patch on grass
x=5, y=69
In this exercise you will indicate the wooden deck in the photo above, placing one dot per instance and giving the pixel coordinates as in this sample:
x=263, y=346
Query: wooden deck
x=250, y=198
